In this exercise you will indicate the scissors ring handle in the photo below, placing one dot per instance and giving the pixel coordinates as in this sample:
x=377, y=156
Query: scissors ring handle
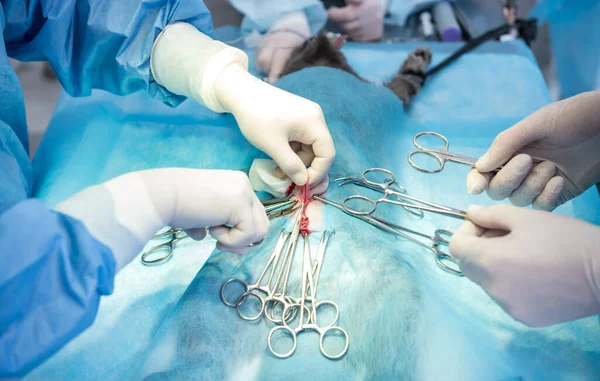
x=322, y=339
x=373, y=205
x=224, y=286
x=167, y=247
x=383, y=184
x=430, y=133
x=416, y=166
x=326, y=303
x=285, y=354
x=242, y=299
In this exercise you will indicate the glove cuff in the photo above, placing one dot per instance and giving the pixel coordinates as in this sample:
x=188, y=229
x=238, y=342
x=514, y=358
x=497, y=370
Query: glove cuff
x=187, y=62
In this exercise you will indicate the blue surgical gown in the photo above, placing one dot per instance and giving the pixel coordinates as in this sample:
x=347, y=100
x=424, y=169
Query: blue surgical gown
x=52, y=271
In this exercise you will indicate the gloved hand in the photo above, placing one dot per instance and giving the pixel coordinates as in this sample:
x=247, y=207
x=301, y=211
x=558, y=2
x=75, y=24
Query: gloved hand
x=189, y=63
x=566, y=134
x=124, y=213
x=276, y=47
x=541, y=268
x=362, y=20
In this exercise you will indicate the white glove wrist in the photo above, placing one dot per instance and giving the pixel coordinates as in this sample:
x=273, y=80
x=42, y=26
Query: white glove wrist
x=189, y=63
x=234, y=86
x=119, y=213
x=295, y=21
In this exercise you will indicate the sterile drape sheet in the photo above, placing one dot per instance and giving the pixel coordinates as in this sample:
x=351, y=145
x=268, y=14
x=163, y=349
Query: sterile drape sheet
x=407, y=320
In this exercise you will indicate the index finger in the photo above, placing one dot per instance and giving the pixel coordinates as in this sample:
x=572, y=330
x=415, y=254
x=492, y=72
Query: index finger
x=324, y=151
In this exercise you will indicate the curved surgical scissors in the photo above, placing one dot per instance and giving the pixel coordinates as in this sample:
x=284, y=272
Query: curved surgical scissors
x=437, y=240
x=441, y=155
x=308, y=294
x=386, y=187
x=175, y=235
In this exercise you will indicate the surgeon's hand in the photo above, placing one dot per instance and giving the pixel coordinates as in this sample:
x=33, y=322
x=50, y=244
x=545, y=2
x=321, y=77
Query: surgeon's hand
x=566, y=135
x=541, y=268
x=221, y=202
x=362, y=20
x=275, y=49
x=279, y=123
x=125, y=212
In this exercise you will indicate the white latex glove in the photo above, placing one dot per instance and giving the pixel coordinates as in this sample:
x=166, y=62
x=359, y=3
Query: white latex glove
x=541, y=268
x=566, y=134
x=275, y=49
x=362, y=20
x=124, y=213
x=189, y=63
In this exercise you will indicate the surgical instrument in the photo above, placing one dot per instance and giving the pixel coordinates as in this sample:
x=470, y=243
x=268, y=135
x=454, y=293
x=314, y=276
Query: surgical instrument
x=274, y=208
x=385, y=187
x=308, y=293
x=436, y=240
x=258, y=286
x=174, y=236
x=395, y=187
x=441, y=155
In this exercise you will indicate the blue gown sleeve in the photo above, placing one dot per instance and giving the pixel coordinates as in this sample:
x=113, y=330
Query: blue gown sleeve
x=53, y=274
x=98, y=44
x=52, y=270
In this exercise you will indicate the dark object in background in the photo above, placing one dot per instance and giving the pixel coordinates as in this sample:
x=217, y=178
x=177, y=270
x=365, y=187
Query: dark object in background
x=320, y=51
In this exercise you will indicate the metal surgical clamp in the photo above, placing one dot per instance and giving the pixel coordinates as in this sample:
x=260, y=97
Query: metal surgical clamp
x=258, y=286
x=308, y=293
x=436, y=240
x=175, y=235
x=385, y=187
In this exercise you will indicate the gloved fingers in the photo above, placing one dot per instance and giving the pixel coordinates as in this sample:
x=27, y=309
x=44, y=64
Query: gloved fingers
x=278, y=62
x=549, y=198
x=231, y=249
x=320, y=187
x=510, y=141
x=352, y=27
x=533, y=184
x=264, y=59
x=289, y=162
x=467, y=246
x=477, y=182
x=197, y=234
x=342, y=15
x=503, y=216
x=246, y=228
x=510, y=177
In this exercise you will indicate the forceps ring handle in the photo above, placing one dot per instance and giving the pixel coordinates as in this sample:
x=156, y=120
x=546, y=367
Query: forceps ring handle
x=358, y=212
x=440, y=258
x=160, y=260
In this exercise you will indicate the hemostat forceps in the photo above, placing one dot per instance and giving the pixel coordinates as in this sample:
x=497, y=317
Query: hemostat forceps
x=308, y=293
x=175, y=235
x=385, y=187
x=444, y=261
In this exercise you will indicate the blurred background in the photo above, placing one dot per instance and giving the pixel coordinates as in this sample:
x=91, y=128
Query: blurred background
x=42, y=89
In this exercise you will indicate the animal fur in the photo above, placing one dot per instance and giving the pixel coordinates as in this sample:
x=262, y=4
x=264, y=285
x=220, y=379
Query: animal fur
x=320, y=51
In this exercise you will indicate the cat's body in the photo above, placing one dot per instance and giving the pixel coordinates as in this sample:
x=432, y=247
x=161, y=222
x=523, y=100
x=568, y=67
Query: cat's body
x=320, y=51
